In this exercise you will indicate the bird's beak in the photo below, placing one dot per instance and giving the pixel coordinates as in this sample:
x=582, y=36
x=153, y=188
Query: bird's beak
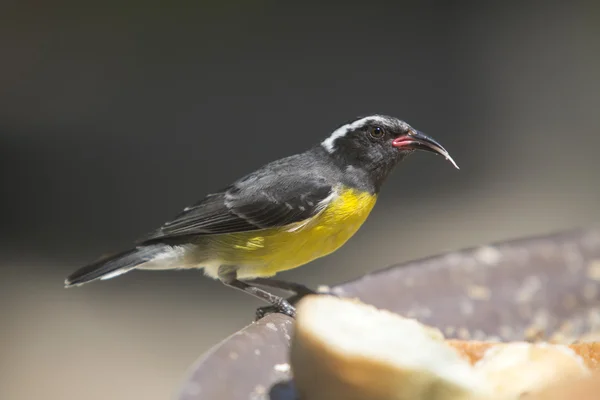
x=419, y=141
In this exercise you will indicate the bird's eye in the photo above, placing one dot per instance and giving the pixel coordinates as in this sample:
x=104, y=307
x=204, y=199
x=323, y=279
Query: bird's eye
x=376, y=132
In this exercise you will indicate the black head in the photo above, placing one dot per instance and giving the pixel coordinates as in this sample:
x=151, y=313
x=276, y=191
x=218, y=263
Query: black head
x=377, y=143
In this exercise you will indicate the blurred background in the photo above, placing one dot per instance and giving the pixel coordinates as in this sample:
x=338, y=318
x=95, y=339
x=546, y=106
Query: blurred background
x=115, y=117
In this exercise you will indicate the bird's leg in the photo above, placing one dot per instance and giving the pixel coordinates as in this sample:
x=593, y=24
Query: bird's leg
x=262, y=311
x=229, y=277
x=283, y=285
x=299, y=292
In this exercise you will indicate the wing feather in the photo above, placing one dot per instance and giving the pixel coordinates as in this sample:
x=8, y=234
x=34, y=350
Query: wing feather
x=250, y=205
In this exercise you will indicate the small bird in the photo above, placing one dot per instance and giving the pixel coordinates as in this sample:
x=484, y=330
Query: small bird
x=283, y=215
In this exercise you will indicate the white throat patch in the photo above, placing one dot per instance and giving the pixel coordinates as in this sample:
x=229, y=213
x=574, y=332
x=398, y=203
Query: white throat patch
x=343, y=130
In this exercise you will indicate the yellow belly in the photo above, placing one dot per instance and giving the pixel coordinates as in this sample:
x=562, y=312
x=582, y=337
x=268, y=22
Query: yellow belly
x=266, y=252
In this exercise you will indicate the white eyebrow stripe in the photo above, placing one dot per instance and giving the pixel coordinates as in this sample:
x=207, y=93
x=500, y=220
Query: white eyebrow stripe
x=344, y=129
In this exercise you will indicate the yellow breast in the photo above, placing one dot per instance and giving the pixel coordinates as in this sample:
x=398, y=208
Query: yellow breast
x=266, y=252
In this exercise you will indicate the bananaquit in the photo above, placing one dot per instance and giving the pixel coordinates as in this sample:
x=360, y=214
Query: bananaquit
x=281, y=216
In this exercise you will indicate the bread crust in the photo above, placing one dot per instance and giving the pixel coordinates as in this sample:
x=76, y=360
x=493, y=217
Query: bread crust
x=475, y=350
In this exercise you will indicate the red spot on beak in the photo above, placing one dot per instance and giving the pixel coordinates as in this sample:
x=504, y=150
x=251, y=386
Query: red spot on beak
x=403, y=142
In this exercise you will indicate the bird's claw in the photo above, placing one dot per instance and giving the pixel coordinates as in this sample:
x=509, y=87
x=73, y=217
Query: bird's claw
x=284, y=307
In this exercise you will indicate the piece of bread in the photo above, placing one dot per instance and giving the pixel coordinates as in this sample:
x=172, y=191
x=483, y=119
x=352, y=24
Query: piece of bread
x=515, y=369
x=344, y=349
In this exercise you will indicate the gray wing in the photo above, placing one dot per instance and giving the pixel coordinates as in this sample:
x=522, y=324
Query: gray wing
x=253, y=203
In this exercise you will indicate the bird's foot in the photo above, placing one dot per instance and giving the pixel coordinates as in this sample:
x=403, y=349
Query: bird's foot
x=287, y=306
x=282, y=307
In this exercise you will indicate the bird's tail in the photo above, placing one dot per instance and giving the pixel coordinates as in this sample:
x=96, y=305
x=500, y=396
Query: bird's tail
x=115, y=265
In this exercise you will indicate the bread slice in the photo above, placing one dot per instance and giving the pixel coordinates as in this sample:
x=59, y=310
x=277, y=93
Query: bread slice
x=343, y=349
x=515, y=369
x=346, y=350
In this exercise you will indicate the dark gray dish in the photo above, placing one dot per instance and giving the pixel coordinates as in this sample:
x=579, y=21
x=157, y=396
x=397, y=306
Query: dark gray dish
x=500, y=291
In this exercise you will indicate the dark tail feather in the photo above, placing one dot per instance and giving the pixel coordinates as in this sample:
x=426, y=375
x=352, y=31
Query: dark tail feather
x=114, y=265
